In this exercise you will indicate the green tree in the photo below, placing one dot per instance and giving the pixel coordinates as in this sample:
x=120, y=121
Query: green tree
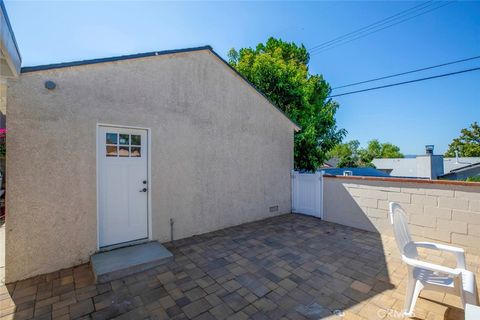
x=468, y=144
x=280, y=70
x=351, y=155
x=347, y=153
x=376, y=149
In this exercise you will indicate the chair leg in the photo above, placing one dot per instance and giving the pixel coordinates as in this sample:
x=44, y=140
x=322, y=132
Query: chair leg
x=469, y=297
x=413, y=291
x=461, y=293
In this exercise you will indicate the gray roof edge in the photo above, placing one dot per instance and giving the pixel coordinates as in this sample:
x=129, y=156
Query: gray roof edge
x=466, y=167
x=152, y=54
x=110, y=59
x=4, y=10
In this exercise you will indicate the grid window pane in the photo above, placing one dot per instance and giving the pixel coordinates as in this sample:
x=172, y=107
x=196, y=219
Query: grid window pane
x=136, y=140
x=136, y=152
x=111, y=151
x=124, y=139
x=123, y=151
x=111, y=138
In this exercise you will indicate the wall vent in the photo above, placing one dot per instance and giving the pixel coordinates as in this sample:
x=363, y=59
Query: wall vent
x=273, y=209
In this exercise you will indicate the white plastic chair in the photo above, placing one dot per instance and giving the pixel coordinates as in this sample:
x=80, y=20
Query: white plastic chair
x=426, y=275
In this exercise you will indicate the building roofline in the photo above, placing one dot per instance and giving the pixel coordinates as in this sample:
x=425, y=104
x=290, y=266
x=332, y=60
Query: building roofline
x=153, y=54
x=466, y=167
x=110, y=59
x=4, y=10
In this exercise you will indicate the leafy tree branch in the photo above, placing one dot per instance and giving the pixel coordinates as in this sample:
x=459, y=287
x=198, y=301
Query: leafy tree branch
x=467, y=144
x=279, y=69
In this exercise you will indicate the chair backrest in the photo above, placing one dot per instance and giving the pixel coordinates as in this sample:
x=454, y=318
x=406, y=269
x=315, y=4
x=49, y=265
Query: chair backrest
x=398, y=219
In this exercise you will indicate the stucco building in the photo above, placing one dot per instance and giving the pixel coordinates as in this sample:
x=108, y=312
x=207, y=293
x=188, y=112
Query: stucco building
x=155, y=146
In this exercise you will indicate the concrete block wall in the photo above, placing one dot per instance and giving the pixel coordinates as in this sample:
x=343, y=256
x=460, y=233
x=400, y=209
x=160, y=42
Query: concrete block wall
x=439, y=211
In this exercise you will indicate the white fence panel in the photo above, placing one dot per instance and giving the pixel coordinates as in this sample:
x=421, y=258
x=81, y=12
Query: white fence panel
x=307, y=193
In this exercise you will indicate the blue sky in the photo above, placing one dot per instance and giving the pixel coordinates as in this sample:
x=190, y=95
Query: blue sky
x=430, y=112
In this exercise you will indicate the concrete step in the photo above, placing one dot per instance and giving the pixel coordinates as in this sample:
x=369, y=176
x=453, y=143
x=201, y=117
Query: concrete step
x=119, y=263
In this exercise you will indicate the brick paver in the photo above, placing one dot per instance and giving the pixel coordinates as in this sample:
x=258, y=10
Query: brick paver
x=286, y=267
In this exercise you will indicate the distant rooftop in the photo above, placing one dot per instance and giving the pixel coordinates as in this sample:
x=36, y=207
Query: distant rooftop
x=453, y=164
x=364, y=172
x=473, y=165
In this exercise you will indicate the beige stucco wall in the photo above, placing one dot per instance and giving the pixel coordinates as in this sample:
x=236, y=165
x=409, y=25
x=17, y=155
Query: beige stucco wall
x=221, y=154
x=448, y=213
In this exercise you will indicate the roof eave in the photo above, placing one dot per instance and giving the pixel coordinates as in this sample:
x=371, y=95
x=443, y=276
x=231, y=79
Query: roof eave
x=10, y=58
x=110, y=59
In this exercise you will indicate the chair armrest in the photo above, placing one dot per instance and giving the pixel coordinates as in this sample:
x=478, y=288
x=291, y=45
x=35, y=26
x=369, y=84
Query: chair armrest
x=458, y=252
x=431, y=266
x=438, y=246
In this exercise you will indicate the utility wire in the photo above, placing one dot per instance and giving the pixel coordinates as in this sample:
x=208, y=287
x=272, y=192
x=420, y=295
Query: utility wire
x=405, y=82
x=330, y=45
x=334, y=45
x=311, y=51
x=407, y=72
x=370, y=30
x=375, y=24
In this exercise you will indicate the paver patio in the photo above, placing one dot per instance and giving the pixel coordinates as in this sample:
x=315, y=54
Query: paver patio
x=286, y=267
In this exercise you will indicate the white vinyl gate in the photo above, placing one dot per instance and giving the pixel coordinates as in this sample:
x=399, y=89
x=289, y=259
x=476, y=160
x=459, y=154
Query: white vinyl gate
x=307, y=193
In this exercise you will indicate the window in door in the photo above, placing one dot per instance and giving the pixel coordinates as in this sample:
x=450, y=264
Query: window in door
x=123, y=145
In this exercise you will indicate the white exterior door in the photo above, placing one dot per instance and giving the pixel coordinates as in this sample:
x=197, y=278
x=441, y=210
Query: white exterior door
x=123, y=185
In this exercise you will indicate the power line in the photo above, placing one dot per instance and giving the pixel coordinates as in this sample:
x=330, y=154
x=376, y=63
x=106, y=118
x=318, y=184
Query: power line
x=375, y=24
x=334, y=45
x=311, y=51
x=375, y=29
x=407, y=72
x=405, y=82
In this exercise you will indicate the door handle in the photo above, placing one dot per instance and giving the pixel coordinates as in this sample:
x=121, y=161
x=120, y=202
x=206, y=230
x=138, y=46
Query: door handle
x=144, y=190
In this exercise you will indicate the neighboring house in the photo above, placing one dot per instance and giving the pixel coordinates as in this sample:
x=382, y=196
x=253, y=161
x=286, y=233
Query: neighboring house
x=331, y=163
x=106, y=152
x=450, y=164
x=472, y=170
x=365, y=172
x=424, y=167
x=428, y=166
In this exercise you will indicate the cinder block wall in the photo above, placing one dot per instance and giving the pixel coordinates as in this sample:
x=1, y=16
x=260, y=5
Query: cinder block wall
x=442, y=211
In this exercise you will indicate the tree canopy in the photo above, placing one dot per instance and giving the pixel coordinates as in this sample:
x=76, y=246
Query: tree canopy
x=376, y=149
x=347, y=154
x=351, y=155
x=279, y=69
x=467, y=144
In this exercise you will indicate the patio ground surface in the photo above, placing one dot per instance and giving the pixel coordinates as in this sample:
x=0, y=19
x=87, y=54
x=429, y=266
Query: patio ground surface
x=286, y=267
